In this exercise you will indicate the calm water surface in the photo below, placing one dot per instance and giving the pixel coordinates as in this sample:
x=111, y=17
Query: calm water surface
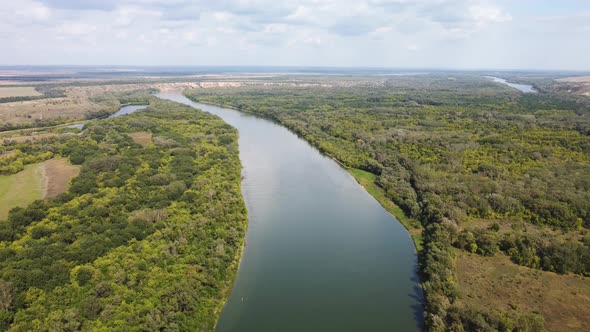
x=521, y=87
x=127, y=110
x=122, y=111
x=321, y=254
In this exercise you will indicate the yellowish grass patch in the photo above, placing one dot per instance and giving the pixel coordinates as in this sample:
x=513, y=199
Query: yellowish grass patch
x=495, y=283
x=58, y=173
x=20, y=91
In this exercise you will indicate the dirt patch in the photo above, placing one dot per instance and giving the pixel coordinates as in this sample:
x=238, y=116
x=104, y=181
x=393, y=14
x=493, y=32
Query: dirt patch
x=495, y=283
x=142, y=138
x=583, y=79
x=21, y=91
x=576, y=85
x=57, y=175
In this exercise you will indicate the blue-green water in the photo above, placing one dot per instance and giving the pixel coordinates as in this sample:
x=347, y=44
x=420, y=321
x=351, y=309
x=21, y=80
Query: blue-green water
x=321, y=254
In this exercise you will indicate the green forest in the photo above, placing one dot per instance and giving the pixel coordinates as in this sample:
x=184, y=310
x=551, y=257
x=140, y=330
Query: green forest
x=146, y=238
x=485, y=168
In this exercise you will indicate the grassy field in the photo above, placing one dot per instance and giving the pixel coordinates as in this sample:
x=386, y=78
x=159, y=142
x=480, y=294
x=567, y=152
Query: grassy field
x=495, y=283
x=21, y=189
x=367, y=180
x=36, y=181
x=24, y=91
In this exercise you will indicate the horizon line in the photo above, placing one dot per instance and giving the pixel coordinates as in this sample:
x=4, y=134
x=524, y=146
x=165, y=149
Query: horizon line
x=373, y=68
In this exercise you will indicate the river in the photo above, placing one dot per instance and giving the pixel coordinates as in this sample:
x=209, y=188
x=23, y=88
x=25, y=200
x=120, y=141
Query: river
x=127, y=110
x=321, y=254
x=124, y=110
x=521, y=87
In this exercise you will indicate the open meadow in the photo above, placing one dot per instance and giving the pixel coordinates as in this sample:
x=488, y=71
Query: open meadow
x=490, y=284
x=20, y=189
x=37, y=181
x=21, y=91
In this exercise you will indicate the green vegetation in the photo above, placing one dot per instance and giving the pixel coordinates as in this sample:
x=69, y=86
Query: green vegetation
x=20, y=189
x=466, y=157
x=368, y=181
x=146, y=238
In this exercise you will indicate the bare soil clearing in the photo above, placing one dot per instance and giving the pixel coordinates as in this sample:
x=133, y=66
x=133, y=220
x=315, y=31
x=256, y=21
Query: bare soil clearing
x=142, y=138
x=577, y=85
x=582, y=79
x=495, y=283
x=57, y=174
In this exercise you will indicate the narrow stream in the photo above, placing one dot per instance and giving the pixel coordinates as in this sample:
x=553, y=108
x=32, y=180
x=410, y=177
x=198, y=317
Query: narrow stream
x=321, y=254
x=124, y=110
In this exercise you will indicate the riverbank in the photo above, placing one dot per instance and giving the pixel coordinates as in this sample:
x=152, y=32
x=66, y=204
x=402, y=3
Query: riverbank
x=364, y=178
x=229, y=285
x=313, y=233
x=367, y=180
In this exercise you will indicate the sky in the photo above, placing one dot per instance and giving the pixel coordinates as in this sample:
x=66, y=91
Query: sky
x=420, y=34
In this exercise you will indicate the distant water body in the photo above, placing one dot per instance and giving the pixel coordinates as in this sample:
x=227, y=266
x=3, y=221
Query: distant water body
x=321, y=254
x=127, y=110
x=122, y=111
x=521, y=87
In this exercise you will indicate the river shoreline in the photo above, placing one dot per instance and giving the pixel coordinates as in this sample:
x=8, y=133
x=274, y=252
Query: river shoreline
x=322, y=252
x=417, y=241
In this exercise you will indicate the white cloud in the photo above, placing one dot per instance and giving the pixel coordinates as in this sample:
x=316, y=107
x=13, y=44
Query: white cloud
x=76, y=28
x=484, y=14
x=37, y=11
x=418, y=33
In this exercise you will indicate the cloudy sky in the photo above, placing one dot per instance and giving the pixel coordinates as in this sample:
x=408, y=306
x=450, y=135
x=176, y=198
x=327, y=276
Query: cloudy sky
x=462, y=34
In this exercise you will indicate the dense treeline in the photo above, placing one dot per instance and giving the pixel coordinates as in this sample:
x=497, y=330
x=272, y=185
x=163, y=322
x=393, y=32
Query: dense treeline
x=540, y=251
x=146, y=238
x=454, y=152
